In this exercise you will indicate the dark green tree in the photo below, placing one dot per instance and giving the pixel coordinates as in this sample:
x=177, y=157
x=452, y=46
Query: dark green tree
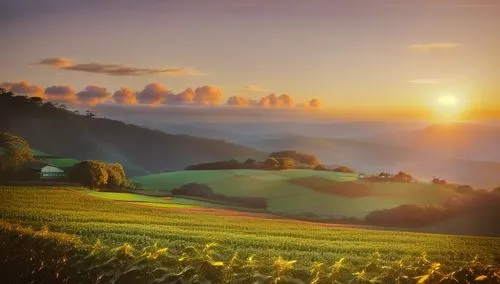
x=116, y=175
x=93, y=174
x=14, y=151
x=271, y=164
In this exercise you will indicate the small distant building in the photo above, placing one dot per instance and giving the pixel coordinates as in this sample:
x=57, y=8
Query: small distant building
x=41, y=170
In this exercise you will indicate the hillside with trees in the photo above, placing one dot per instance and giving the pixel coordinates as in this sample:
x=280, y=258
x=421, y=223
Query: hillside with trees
x=66, y=133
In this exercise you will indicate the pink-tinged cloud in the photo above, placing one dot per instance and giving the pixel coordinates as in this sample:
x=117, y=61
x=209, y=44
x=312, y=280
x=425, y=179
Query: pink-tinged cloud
x=241, y=101
x=154, y=94
x=207, y=95
x=125, y=96
x=271, y=101
x=186, y=96
x=115, y=69
x=428, y=47
x=61, y=94
x=314, y=103
x=23, y=88
x=93, y=95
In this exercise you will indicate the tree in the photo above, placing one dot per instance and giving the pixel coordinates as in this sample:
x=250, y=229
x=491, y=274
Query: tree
x=93, y=174
x=14, y=151
x=271, y=164
x=402, y=177
x=321, y=167
x=298, y=157
x=286, y=163
x=116, y=175
x=343, y=169
x=439, y=181
x=496, y=190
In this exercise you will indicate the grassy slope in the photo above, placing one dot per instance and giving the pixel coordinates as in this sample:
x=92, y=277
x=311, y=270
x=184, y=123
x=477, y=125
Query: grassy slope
x=284, y=196
x=115, y=222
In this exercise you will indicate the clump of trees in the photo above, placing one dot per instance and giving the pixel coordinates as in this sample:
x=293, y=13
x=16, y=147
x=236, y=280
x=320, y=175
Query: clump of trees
x=343, y=169
x=408, y=215
x=14, y=152
x=204, y=191
x=412, y=215
x=224, y=165
x=299, y=158
x=401, y=176
x=439, y=181
x=97, y=174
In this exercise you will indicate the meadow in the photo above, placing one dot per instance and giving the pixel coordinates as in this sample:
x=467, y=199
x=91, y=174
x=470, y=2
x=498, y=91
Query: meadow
x=111, y=223
x=286, y=196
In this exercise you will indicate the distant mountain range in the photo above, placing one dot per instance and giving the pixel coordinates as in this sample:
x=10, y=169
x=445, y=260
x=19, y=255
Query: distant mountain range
x=418, y=153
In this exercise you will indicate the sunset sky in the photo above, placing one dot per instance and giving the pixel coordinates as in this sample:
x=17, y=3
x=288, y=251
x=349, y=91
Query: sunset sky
x=366, y=56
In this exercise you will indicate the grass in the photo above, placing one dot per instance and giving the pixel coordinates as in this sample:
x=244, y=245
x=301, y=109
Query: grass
x=114, y=223
x=147, y=200
x=284, y=196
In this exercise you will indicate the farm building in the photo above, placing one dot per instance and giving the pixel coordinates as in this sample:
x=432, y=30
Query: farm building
x=42, y=170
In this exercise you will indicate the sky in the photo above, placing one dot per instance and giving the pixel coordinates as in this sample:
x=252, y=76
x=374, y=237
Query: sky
x=387, y=58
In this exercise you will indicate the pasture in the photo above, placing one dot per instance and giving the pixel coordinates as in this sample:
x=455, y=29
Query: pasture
x=285, y=195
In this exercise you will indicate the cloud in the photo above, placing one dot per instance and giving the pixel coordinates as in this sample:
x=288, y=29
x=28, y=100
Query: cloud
x=254, y=89
x=424, y=81
x=241, y=101
x=61, y=94
x=60, y=62
x=154, y=94
x=428, y=47
x=271, y=101
x=125, y=96
x=23, y=88
x=207, y=95
x=115, y=69
x=93, y=95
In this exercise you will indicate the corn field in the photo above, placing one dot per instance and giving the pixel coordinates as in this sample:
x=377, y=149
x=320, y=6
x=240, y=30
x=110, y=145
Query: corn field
x=61, y=236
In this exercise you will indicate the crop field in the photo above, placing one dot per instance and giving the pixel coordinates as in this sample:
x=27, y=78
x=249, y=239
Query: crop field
x=89, y=218
x=285, y=196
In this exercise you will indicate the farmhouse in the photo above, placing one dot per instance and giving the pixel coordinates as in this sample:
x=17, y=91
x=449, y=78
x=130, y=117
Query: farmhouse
x=42, y=170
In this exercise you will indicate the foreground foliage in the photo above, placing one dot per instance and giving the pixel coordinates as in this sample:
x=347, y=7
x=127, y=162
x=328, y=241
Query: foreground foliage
x=47, y=257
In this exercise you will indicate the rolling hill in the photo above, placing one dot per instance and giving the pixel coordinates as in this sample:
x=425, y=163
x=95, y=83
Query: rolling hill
x=422, y=162
x=64, y=133
x=292, y=191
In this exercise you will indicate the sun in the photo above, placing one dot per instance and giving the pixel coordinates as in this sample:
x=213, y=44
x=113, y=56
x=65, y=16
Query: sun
x=448, y=108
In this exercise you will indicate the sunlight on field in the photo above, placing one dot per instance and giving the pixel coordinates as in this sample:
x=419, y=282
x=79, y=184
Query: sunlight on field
x=114, y=223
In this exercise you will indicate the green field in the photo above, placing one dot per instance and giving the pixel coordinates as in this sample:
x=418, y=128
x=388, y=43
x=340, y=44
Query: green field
x=286, y=197
x=89, y=218
x=148, y=200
